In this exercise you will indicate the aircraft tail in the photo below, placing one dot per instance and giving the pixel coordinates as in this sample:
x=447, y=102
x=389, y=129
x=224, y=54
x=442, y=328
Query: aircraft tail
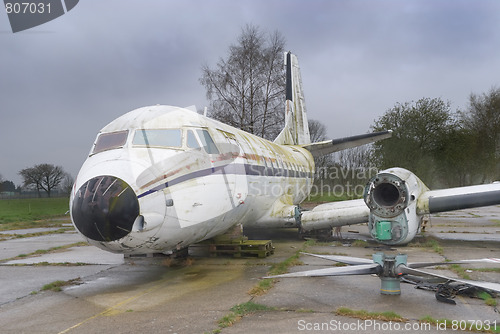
x=296, y=130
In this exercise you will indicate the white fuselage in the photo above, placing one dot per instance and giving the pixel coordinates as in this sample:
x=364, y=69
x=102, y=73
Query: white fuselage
x=193, y=178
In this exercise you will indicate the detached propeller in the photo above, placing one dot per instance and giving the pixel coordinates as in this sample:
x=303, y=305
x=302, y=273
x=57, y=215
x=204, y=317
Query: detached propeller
x=390, y=269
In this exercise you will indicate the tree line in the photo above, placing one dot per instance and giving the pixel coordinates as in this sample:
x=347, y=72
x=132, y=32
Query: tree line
x=444, y=148
x=42, y=178
x=441, y=146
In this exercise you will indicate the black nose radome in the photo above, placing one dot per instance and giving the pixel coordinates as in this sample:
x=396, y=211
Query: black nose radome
x=105, y=208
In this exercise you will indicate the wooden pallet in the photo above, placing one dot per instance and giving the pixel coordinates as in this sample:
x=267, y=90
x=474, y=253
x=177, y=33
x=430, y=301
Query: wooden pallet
x=243, y=248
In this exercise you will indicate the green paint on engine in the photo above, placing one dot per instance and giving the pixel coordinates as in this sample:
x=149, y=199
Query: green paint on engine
x=383, y=230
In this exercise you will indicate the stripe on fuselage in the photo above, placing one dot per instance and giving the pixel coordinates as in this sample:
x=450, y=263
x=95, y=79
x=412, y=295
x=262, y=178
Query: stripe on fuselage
x=236, y=169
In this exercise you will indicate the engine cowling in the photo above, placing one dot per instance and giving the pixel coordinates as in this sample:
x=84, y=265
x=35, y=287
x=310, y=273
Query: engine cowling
x=392, y=197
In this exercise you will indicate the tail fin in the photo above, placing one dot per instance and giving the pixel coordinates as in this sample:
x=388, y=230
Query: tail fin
x=296, y=130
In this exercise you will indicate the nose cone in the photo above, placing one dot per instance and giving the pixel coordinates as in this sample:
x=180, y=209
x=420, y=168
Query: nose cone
x=105, y=208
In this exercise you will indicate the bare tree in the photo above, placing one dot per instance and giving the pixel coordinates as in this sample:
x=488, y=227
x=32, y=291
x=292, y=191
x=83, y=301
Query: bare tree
x=356, y=158
x=31, y=178
x=43, y=177
x=246, y=90
x=317, y=131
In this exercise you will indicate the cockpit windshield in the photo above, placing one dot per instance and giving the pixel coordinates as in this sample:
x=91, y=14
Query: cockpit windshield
x=207, y=142
x=158, y=138
x=191, y=140
x=110, y=140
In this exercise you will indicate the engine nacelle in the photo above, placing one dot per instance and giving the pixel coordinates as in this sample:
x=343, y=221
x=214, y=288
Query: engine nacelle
x=392, y=197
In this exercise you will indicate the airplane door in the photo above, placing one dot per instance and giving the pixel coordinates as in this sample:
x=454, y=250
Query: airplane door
x=211, y=187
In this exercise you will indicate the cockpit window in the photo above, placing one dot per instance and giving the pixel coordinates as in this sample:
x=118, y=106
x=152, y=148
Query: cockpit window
x=109, y=141
x=191, y=141
x=158, y=138
x=207, y=142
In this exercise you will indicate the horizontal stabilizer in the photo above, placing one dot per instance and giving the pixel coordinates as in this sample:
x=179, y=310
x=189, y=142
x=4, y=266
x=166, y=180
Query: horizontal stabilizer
x=335, y=145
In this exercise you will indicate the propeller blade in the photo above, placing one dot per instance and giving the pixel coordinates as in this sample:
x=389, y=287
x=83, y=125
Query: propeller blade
x=364, y=269
x=343, y=259
x=430, y=264
x=481, y=284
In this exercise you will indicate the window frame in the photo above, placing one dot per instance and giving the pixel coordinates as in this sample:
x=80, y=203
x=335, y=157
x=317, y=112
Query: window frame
x=206, y=148
x=101, y=136
x=155, y=145
x=195, y=137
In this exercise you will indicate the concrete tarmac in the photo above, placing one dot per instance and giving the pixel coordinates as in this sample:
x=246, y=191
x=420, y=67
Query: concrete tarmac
x=109, y=294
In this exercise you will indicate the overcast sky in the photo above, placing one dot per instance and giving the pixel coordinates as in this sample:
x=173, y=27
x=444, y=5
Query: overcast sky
x=61, y=82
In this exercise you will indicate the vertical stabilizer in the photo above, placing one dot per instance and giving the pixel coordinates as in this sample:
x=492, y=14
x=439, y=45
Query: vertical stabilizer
x=296, y=130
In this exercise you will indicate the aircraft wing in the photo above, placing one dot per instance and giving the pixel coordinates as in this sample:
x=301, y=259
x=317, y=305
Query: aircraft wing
x=394, y=203
x=335, y=214
x=335, y=145
x=434, y=201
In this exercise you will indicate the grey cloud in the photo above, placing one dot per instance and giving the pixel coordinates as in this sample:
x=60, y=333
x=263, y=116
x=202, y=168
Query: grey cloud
x=64, y=80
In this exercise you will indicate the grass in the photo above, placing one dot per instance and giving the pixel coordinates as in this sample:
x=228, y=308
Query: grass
x=15, y=213
x=496, y=221
x=282, y=267
x=488, y=299
x=54, y=286
x=429, y=243
x=240, y=310
x=459, y=270
x=262, y=287
x=266, y=284
x=360, y=243
x=45, y=251
x=5, y=236
x=365, y=315
x=58, y=285
x=21, y=225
